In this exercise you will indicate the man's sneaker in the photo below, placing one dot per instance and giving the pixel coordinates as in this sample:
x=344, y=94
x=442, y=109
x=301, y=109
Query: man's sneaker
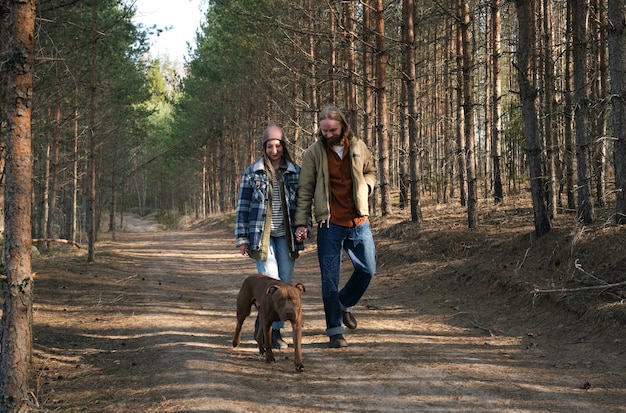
x=349, y=320
x=277, y=340
x=337, y=341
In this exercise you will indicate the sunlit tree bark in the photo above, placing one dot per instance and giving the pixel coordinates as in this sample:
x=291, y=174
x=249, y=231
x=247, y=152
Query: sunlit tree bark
x=17, y=278
x=350, y=62
x=383, y=116
x=496, y=101
x=460, y=114
x=312, y=58
x=367, y=64
x=91, y=169
x=468, y=113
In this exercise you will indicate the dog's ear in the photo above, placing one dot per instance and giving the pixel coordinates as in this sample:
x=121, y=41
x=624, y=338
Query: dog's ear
x=271, y=289
x=300, y=287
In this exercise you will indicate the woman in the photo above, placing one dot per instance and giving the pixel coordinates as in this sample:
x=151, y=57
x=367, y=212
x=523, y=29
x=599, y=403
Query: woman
x=264, y=228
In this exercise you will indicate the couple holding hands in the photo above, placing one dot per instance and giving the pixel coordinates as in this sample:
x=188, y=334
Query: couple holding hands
x=273, y=212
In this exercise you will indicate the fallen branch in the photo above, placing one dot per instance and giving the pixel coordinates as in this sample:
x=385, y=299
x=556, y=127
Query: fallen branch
x=571, y=290
x=59, y=240
x=485, y=329
x=580, y=268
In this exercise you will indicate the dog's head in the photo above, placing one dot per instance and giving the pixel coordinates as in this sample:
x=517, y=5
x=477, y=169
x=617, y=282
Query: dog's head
x=286, y=300
x=271, y=289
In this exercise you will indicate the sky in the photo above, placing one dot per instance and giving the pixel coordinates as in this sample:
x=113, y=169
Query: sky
x=183, y=15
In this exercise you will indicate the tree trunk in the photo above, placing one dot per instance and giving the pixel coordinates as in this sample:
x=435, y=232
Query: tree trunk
x=91, y=168
x=408, y=10
x=549, y=109
x=617, y=67
x=599, y=90
x=528, y=96
x=496, y=102
x=350, y=63
x=460, y=115
x=17, y=278
x=368, y=90
x=41, y=220
x=449, y=135
x=368, y=98
x=4, y=12
x=113, y=205
x=485, y=166
x=404, y=180
x=223, y=169
x=332, y=54
x=54, y=164
x=76, y=140
x=381, y=89
x=205, y=182
x=314, y=101
x=568, y=157
x=468, y=111
x=579, y=20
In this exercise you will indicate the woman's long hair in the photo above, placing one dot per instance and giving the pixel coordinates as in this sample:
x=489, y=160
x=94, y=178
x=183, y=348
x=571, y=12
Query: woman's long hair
x=286, y=155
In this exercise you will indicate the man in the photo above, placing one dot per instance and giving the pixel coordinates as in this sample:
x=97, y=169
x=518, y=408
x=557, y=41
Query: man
x=337, y=177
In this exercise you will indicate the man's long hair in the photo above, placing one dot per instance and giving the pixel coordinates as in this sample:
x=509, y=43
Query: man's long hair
x=333, y=113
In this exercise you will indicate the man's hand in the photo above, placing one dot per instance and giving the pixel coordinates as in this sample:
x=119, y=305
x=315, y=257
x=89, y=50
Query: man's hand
x=302, y=233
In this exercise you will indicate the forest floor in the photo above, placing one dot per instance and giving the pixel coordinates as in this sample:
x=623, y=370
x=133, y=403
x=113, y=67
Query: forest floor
x=455, y=320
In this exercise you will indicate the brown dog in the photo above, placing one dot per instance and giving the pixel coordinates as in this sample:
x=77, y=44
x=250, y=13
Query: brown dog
x=275, y=300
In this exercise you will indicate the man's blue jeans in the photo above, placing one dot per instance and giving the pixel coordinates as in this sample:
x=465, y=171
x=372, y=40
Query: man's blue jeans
x=358, y=242
x=279, y=265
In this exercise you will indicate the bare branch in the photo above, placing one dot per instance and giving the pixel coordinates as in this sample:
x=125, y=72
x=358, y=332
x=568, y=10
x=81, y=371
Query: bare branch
x=571, y=290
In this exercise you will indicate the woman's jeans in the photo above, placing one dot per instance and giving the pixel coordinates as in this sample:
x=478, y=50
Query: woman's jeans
x=279, y=265
x=358, y=242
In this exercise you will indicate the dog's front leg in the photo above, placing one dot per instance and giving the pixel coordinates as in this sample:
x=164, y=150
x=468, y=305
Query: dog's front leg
x=269, y=354
x=296, y=327
x=264, y=338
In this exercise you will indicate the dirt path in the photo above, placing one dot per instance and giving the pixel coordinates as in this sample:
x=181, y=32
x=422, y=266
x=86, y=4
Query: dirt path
x=148, y=328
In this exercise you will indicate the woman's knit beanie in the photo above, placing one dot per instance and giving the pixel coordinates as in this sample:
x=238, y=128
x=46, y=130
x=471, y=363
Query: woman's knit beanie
x=272, y=132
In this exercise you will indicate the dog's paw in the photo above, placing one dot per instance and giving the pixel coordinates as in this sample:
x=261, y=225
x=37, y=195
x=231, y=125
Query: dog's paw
x=262, y=351
x=299, y=368
x=270, y=359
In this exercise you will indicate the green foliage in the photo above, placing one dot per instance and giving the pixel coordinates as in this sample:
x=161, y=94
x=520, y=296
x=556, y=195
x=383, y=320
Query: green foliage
x=63, y=104
x=229, y=52
x=222, y=84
